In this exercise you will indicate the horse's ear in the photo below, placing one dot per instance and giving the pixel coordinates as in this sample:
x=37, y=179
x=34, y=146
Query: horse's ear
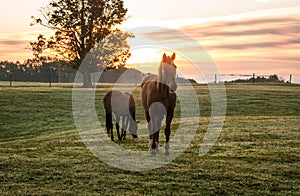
x=173, y=56
x=164, y=57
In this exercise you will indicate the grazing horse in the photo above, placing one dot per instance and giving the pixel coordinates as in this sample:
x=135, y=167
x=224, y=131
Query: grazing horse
x=159, y=99
x=123, y=106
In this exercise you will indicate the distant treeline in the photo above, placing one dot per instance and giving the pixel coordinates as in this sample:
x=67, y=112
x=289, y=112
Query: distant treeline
x=259, y=79
x=32, y=71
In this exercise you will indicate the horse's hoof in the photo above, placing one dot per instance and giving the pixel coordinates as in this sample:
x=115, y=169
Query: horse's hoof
x=167, y=153
x=153, y=152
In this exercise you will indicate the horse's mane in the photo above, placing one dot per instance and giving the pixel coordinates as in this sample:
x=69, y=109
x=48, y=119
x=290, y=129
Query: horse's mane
x=160, y=85
x=148, y=79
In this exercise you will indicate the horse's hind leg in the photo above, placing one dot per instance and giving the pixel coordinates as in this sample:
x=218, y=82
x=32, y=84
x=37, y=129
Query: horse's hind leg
x=156, y=135
x=109, y=125
x=149, y=128
x=118, y=127
x=169, y=118
x=153, y=144
x=147, y=116
x=124, y=126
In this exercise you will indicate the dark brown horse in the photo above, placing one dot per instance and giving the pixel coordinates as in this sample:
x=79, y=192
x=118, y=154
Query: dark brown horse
x=123, y=106
x=159, y=99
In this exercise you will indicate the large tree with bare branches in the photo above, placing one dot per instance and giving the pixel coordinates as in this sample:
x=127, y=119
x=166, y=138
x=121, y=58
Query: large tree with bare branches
x=81, y=26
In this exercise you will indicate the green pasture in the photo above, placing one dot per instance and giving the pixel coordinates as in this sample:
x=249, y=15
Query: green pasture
x=257, y=152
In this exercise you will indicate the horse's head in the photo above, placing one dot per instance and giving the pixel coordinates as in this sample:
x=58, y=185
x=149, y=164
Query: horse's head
x=133, y=127
x=167, y=71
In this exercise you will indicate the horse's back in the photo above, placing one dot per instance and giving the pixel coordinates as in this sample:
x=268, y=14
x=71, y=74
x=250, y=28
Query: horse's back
x=148, y=79
x=119, y=103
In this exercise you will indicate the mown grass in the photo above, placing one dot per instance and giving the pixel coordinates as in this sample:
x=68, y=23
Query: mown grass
x=257, y=151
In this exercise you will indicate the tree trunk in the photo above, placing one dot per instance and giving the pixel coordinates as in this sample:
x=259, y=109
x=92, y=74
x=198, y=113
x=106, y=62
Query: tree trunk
x=87, y=80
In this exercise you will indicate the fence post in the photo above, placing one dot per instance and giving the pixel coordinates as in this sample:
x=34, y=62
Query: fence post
x=215, y=78
x=50, y=79
x=10, y=79
x=59, y=72
x=291, y=79
x=253, y=78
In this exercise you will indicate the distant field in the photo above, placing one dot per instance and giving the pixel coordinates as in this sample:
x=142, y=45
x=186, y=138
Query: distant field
x=257, y=152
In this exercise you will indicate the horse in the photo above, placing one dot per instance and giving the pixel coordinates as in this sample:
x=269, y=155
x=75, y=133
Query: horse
x=123, y=106
x=159, y=99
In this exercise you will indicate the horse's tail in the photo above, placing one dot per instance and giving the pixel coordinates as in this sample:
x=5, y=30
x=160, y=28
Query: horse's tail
x=108, y=111
x=132, y=123
x=133, y=115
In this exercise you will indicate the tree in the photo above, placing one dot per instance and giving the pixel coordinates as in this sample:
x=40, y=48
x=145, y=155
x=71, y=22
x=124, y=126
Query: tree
x=79, y=26
x=274, y=78
x=39, y=46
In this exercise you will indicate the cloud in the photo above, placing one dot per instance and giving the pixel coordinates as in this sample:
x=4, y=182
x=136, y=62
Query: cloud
x=266, y=35
x=166, y=35
x=263, y=1
x=263, y=32
x=269, y=41
x=13, y=50
x=12, y=42
x=14, y=47
x=243, y=27
x=260, y=44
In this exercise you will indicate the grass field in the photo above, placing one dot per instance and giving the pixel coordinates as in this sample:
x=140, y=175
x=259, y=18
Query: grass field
x=257, y=151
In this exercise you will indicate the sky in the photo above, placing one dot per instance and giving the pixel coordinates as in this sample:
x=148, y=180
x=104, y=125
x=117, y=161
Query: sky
x=239, y=37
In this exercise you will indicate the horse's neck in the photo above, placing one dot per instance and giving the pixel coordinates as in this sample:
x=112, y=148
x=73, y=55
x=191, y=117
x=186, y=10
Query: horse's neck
x=164, y=90
x=161, y=86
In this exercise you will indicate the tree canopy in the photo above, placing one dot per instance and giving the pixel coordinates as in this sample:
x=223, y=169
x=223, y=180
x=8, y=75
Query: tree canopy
x=82, y=26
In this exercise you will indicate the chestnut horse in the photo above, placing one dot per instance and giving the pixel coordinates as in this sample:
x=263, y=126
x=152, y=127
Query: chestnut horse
x=123, y=106
x=159, y=99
